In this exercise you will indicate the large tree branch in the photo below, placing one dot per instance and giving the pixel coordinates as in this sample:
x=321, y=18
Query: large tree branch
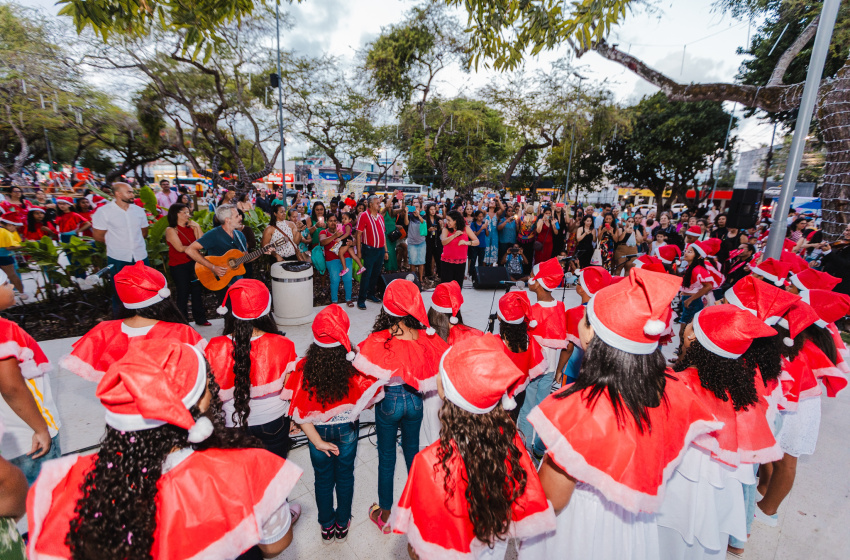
x=768, y=98
x=792, y=52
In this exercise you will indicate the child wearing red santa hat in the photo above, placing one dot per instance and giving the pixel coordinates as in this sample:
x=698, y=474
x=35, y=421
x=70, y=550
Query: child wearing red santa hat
x=697, y=282
x=551, y=334
x=250, y=362
x=515, y=322
x=327, y=396
x=475, y=488
x=591, y=280
x=704, y=500
x=444, y=314
x=139, y=497
x=404, y=351
x=27, y=410
x=151, y=315
x=771, y=270
x=614, y=437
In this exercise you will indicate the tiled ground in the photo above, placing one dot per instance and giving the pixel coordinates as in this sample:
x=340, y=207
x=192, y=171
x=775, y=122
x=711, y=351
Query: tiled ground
x=814, y=519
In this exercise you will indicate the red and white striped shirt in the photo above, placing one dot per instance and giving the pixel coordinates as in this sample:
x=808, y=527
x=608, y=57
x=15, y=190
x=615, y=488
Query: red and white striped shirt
x=372, y=228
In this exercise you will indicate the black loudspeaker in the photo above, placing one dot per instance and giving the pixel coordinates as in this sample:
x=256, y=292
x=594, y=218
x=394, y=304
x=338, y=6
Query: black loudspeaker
x=390, y=276
x=489, y=277
x=744, y=208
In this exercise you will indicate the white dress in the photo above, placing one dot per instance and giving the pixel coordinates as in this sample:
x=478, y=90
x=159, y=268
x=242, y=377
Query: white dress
x=591, y=527
x=703, y=504
x=799, y=432
x=429, y=430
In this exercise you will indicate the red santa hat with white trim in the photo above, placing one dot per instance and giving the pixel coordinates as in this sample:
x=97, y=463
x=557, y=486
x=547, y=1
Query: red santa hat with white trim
x=654, y=267
x=330, y=329
x=772, y=270
x=830, y=306
x=727, y=330
x=139, y=286
x=593, y=278
x=514, y=308
x=549, y=273
x=798, y=318
x=694, y=230
x=707, y=248
x=765, y=301
x=795, y=262
x=249, y=300
x=156, y=383
x=476, y=376
x=35, y=209
x=402, y=298
x=644, y=260
x=647, y=297
x=669, y=253
x=811, y=279
x=12, y=218
x=447, y=298
x=65, y=200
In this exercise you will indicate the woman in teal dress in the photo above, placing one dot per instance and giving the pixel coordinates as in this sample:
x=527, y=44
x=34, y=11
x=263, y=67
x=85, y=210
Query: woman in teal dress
x=391, y=264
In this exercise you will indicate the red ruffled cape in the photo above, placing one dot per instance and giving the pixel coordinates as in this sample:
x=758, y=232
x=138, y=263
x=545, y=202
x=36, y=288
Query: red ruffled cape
x=272, y=357
x=211, y=505
x=574, y=316
x=628, y=467
x=745, y=436
x=843, y=354
x=462, y=332
x=16, y=343
x=828, y=373
x=414, y=362
x=798, y=378
x=438, y=526
x=363, y=392
x=106, y=343
x=532, y=361
x=551, y=329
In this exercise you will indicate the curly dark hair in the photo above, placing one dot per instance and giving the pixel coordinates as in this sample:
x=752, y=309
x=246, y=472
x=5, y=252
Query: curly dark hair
x=634, y=382
x=789, y=352
x=766, y=354
x=515, y=336
x=486, y=444
x=326, y=373
x=386, y=322
x=725, y=377
x=440, y=322
x=164, y=310
x=822, y=338
x=116, y=515
x=241, y=332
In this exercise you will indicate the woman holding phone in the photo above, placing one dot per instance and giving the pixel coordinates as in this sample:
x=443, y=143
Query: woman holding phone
x=456, y=238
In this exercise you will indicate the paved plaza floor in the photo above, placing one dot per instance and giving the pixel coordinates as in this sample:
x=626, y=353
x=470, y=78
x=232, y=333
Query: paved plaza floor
x=814, y=521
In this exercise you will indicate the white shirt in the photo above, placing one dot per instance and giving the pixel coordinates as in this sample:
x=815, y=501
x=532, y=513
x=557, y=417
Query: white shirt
x=124, y=240
x=17, y=438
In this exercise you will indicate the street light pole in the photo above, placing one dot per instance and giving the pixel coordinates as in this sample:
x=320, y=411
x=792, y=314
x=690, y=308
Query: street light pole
x=280, y=106
x=828, y=15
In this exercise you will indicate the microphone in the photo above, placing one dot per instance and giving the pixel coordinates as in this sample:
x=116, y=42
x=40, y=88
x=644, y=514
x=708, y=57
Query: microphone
x=518, y=283
x=94, y=279
x=632, y=256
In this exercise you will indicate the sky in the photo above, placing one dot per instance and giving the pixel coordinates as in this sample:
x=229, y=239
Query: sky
x=687, y=40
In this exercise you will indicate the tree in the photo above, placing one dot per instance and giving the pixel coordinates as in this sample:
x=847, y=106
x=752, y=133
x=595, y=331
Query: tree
x=503, y=30
x=667, y=145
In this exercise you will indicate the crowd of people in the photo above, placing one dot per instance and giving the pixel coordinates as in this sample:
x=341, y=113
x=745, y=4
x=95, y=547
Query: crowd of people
x=564, y=430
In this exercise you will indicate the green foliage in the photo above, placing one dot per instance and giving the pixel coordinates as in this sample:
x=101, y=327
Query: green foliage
x=204, y=218
x=667, y=145
x=257, y=220
x=155, y=243
x=147, y=196
x=85, y=257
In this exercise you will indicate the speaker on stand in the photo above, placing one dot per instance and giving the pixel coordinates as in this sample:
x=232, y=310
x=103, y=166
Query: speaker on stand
x=490, y=277
x=744, y=208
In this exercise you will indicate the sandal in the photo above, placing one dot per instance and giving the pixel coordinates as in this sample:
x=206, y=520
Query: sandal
x=349, y=303
x=384, y=526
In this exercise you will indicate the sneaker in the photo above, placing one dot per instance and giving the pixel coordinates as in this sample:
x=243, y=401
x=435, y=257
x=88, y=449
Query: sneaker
x=362, y=270
x=344, y=272
x=328, y=534
x=374, y=299
x=342, y=532
x=769, y=520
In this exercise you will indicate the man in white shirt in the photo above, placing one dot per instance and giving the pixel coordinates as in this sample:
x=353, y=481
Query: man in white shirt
x=165, y=197
x=123, y=226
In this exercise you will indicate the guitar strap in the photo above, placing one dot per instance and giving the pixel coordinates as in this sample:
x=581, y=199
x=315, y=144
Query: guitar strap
x=286, y=237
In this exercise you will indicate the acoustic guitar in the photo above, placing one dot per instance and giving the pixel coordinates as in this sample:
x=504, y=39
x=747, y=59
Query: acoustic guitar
x=234, y=261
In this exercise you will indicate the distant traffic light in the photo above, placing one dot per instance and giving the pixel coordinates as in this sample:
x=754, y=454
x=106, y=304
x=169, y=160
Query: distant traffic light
x=274, y=78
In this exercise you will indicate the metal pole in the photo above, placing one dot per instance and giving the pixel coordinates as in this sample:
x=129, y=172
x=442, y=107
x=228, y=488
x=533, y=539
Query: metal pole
x=280, y=106
x=804, y=119
x=767, y=160
x=725, y=143
x=570, y=162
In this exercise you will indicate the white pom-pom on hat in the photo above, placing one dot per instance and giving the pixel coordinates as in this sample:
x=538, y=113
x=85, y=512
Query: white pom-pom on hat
x=789, y=342
x=533, y=323
x=202, y=429
x=430, y=331
x=221, y=310
x=654, y=327
x=780, y=282
x=531, y=281
x=350, y=356
x=164, y=293
x=508, y=402
x=453, y=320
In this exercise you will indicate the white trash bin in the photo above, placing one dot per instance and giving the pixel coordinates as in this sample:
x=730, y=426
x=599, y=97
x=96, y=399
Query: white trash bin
x=292, y=293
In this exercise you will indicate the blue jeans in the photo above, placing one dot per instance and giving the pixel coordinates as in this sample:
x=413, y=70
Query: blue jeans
x=116, y=268
x=401, y=408
x=476, y=259
x=274, y=435
x=373, y=261
x=335, y=472
x=686, y=314
x=574, y=363
x=32, y=467
x=537, y=390
x=334, y=268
